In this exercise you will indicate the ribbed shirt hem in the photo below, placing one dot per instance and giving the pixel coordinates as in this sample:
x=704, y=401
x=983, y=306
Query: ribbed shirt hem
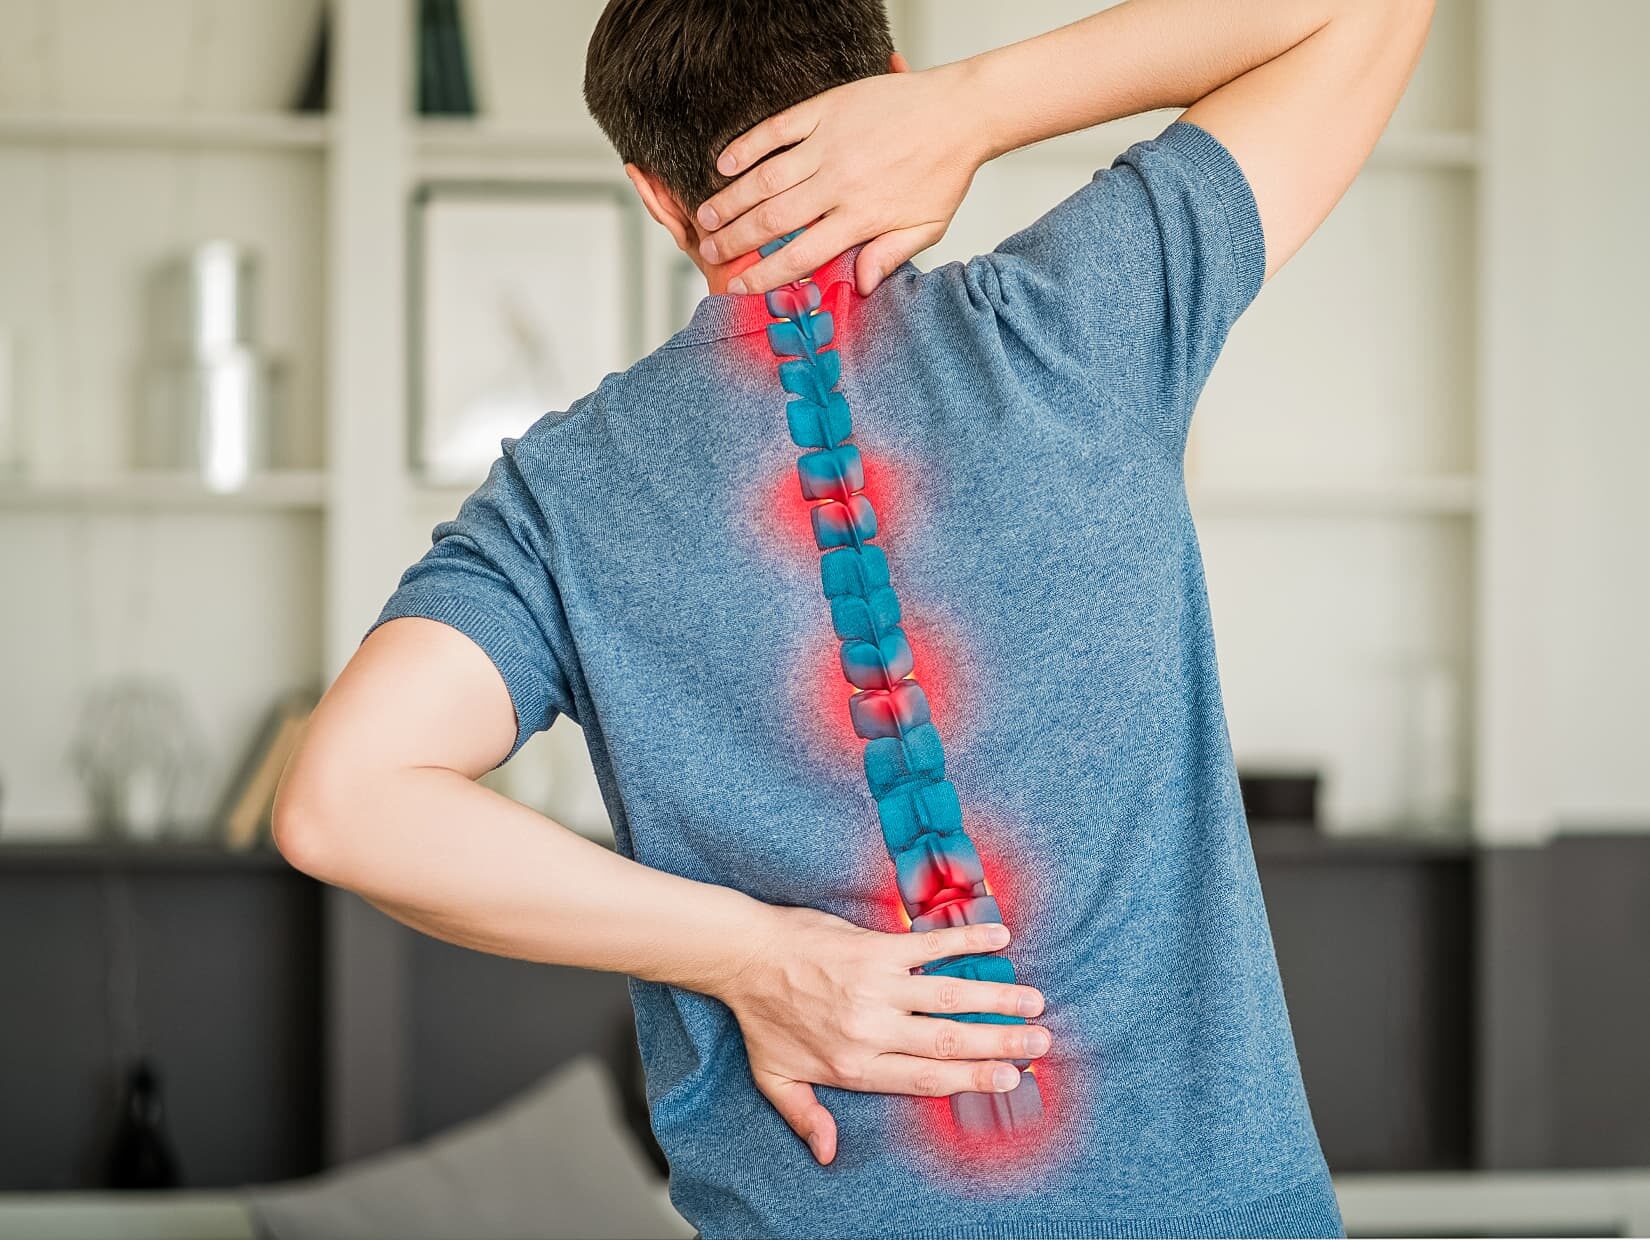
x=1307, y=1208
x=497, y=641
x=1237, y=200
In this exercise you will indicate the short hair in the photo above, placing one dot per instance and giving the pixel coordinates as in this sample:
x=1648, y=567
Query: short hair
x=672, y=82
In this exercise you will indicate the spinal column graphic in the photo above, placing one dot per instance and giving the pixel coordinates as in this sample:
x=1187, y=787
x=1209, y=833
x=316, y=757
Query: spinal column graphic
x=940, y=877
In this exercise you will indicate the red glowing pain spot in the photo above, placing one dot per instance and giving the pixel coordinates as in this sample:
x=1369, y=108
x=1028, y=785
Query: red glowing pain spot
x=994, y=1162
x=886, y=488
x=822, y=693
x=1003, y=873
x=782, y=512
x=751, y=319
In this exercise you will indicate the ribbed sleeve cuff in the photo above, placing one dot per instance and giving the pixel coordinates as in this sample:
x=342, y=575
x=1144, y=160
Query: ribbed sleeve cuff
x=497, y=641
x=1205, y=152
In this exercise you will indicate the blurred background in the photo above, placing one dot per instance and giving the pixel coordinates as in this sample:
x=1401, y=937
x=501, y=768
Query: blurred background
x=275, y=277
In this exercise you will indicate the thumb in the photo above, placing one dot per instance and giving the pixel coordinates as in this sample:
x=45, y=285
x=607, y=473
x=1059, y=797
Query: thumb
x=887, y=251
x=797, y=1105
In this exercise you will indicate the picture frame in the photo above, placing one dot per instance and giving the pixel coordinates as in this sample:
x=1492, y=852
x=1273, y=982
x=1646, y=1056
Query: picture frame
x=522, y=296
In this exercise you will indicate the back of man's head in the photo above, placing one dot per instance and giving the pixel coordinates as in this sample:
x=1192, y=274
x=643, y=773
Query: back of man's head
x=671, y=82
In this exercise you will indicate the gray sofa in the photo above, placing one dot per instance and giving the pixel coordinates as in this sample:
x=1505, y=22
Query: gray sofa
x=556, y=1162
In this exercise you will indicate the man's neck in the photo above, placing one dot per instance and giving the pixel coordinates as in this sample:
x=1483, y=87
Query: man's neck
x=717, y=275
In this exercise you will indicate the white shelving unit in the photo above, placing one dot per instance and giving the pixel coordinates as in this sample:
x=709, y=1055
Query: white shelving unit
x=1359, y=436
x=299, y=490
x=249, y=131
x=1443, y=496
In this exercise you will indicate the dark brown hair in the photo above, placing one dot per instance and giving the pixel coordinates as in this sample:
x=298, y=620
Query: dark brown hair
x=671, y=82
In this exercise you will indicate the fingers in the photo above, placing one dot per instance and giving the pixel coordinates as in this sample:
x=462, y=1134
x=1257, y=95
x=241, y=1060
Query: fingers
x=785, y=212
x=766, y=180
x=915, y=949
x=783, y=129
x=882, y=254
x=801, y=1109
x=934, y=1078
x=931, y=1037
x=922, y=992
x=802, y=257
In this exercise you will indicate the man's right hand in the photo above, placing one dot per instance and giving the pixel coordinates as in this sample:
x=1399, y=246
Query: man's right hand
x=822, y=1001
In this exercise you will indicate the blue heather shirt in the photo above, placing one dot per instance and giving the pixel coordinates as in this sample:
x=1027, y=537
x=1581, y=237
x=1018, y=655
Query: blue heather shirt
x=642, y=563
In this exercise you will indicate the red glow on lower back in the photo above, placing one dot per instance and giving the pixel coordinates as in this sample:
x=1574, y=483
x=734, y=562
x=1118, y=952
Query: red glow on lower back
x=992, y=1162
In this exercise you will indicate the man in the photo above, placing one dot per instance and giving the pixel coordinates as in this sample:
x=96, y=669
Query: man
x=627, y=564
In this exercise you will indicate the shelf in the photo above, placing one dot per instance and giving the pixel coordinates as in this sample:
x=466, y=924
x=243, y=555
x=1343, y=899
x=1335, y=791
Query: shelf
x=269, y=130
x=1442, y=148
x=1302, y=842
x=297, y=490
x=1444, y=496
x=460, y=148
x=461, y=136
x=131, y=855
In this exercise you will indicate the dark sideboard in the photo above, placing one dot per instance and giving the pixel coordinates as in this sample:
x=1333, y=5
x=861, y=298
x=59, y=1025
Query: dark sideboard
x=1453, y=1007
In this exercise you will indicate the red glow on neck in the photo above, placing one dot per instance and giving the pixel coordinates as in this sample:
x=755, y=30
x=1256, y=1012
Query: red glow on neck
x=837, y=297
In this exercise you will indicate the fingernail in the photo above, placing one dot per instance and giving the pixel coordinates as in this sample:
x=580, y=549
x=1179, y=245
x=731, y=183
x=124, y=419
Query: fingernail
x=737, y=285
x=997, y=936
x=707, y=250
x=726, y=165
x=1005, y=1078
x=707, y=216
x=1038, y=1041
x=813, y=1144
x=1030, y=1006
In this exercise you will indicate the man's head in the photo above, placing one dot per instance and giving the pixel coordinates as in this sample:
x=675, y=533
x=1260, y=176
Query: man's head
x=671, y=82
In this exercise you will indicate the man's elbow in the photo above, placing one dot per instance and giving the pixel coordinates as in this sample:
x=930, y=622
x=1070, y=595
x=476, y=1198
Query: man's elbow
x=308, y=823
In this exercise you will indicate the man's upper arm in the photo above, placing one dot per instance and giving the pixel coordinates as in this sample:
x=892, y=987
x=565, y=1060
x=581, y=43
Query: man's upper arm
x=1301, y=125
x=417, y=693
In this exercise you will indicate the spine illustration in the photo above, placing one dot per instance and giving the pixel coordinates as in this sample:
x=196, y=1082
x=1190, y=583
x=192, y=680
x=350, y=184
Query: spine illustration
x=939, y=874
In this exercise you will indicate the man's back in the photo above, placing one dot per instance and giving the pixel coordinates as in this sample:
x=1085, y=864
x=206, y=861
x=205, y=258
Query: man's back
x=643, y=563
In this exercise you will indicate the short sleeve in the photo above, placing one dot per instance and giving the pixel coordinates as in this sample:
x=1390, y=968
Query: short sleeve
x=1136, y=278
x=487, y=575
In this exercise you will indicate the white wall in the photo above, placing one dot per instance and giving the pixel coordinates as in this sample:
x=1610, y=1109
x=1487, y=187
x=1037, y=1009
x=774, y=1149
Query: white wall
x=1577, y=102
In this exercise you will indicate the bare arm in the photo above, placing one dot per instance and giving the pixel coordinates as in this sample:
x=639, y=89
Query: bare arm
x=1297, y=90
x=382, y=799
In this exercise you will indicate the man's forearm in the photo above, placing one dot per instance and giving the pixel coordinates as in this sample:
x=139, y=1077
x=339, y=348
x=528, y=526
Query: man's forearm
x=458, y=861
x=1136, y=57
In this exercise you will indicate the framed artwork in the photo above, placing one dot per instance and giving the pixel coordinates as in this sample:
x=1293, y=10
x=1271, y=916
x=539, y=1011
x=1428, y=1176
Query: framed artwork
x=523, y=296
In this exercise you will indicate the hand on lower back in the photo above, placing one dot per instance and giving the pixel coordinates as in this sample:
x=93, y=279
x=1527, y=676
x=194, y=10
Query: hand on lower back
x=885, y=160
x=823, y=1002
